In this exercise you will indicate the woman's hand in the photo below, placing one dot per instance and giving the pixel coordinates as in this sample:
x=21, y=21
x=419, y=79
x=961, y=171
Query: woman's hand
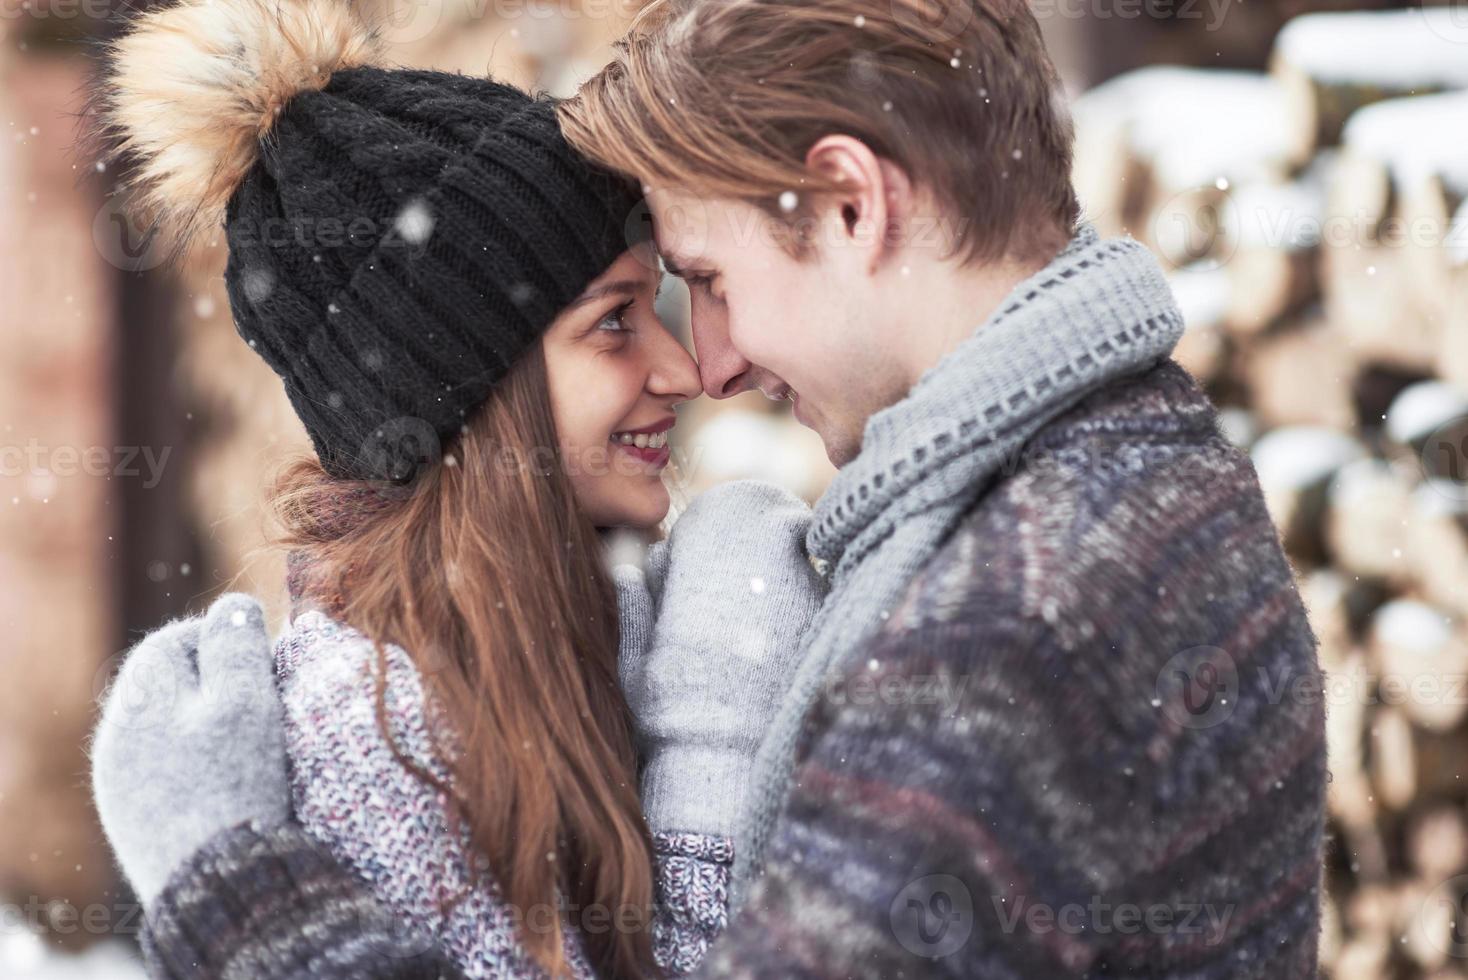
x=729, y=595
x=190, y=742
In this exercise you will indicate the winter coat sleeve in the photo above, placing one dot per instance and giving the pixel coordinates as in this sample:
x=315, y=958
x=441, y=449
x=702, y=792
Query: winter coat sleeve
x=272, y=903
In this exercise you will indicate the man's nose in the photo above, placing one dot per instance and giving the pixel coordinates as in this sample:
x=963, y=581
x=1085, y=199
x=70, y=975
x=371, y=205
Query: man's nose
x=725, y=380
x=722, y=369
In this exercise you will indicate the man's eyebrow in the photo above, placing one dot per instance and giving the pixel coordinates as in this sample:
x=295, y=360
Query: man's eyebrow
x=620, y=287
x=682, y=266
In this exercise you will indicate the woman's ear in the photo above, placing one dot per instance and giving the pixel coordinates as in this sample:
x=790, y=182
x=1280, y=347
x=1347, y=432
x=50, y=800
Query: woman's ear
x=873, y=195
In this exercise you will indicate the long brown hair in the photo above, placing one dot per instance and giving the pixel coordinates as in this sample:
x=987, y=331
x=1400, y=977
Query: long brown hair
x=487, y=573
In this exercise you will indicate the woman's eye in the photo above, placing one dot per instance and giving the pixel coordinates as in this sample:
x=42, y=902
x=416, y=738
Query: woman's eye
x=615, y=321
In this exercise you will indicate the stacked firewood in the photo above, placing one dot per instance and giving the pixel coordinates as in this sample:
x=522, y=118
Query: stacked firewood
x=1315, y=220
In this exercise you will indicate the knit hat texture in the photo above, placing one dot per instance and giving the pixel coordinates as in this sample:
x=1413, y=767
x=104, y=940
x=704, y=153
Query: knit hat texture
x=397, y=238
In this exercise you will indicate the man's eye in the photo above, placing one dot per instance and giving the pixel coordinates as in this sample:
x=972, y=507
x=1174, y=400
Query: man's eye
x=700, y=282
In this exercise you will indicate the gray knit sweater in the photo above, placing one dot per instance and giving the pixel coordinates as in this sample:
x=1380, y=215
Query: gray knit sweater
x=1055, y=721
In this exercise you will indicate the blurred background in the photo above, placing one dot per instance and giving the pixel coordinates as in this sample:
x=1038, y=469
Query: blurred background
x=1301, y=166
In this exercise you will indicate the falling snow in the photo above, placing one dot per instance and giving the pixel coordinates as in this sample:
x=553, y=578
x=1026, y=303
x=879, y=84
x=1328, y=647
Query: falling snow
x=258, y=283
x=414, y=223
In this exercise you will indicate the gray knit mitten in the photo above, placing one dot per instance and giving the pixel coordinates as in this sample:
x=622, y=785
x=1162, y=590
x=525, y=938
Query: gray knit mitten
x=190, y=742
x=732, y=592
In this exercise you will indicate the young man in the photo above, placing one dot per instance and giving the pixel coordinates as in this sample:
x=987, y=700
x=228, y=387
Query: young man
x=1055, y=718
x=1039, y=692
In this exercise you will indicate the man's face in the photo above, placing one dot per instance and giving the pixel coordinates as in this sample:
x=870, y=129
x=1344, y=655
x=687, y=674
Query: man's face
x=811, y=329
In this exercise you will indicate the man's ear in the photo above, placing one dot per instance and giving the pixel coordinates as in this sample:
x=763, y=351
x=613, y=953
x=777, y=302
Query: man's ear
x=873, y=195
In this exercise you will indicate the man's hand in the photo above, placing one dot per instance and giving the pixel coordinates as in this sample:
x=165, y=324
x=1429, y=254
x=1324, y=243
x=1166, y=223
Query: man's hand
x=190, y=742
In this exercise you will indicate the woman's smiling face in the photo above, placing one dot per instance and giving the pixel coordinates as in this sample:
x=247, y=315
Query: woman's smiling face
x=615, y=374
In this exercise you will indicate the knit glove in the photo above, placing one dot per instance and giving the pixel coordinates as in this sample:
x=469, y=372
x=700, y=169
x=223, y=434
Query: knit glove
x=190, y=742
x=731, y=592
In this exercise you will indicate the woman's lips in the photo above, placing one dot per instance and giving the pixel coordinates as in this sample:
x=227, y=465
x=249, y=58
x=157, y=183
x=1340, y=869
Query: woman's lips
x=648, y=444
x=656, y=457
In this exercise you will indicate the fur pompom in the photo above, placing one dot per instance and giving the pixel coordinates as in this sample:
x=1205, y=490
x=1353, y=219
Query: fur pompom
x=192, y=89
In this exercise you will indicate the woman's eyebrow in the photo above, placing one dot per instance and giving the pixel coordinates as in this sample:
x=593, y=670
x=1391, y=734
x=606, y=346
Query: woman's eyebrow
x=621, y=287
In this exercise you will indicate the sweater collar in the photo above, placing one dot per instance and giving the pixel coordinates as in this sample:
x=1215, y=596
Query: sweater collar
x=1099, y=310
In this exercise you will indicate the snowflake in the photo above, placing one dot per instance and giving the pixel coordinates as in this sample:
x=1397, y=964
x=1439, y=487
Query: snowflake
x=414, y=223
x=259, y=283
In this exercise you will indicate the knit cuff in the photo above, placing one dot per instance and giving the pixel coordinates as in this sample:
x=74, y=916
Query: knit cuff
x=693, y=898
x=271, y=902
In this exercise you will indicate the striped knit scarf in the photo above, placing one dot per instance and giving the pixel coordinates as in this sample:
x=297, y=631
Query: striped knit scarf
x=1100, y=310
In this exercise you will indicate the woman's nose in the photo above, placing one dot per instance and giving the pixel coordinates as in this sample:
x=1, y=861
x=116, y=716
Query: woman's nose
x=674, y=371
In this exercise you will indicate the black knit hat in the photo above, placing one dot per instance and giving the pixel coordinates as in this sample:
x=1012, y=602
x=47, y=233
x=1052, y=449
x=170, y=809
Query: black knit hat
x=397, y=238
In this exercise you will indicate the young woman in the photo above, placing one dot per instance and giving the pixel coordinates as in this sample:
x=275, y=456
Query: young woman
x=467, y=333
